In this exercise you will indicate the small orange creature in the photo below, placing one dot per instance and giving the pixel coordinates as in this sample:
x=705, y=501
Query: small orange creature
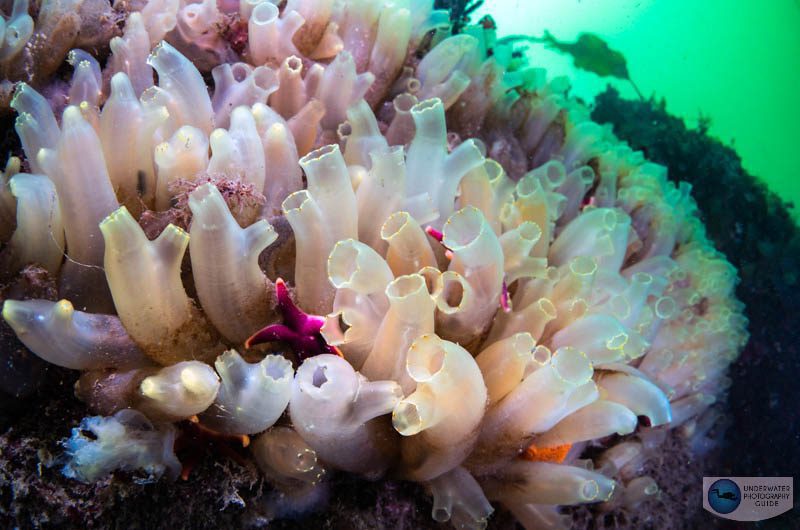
x=555, y=454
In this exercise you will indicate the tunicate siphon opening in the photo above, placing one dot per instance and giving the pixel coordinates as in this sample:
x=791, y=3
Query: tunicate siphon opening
x=493, y=169
x=198, y=17
x=527, y=186
x=463, y=228
x=620, y=307
x=586, y=174
x=319, y=378
x=555, y=174
x=431, y=276
x=426, y=105
x=296, y=200
x=452, y=291
x=277, y=367
x=318, y=154
x=440, y=514
x=342, y=323
x=572, y=365
x=264, y=13
x=405, y=285
x=306, y=460
x=523, y=343
x=642, y=279
x=240, y=71
x=479, y=144
x=393, y=224
x=665, y=307
x=547, y=308
x=541, y=354
x=530, y=231
x=406, y=419
x=425, y=358
x=583, y=266
x=343, y=263
x=453, y=140
x=590, y=490
x=344, y=130
x=404, y=102
x=618, y=341
x=610, y=220
x=294, y=63
x=413, y=85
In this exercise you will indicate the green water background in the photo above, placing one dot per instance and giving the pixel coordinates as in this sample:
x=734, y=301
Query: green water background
x=736, y=62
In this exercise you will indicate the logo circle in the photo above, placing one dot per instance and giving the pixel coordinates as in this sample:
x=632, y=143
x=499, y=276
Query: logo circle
x=724, y=496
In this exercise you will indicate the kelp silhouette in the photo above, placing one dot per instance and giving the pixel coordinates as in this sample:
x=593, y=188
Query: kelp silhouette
x=589, y=52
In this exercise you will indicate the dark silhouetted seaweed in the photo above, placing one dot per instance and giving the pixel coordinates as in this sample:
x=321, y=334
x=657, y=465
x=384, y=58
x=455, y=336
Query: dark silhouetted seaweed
x=460, y=11
x=589, y=53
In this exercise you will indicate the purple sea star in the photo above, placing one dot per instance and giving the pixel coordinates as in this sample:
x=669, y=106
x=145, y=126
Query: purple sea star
x=299, y=330
x=505, y=298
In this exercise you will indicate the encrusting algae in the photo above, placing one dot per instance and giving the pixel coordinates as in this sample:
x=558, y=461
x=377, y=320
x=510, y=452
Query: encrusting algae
x=409, y=255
